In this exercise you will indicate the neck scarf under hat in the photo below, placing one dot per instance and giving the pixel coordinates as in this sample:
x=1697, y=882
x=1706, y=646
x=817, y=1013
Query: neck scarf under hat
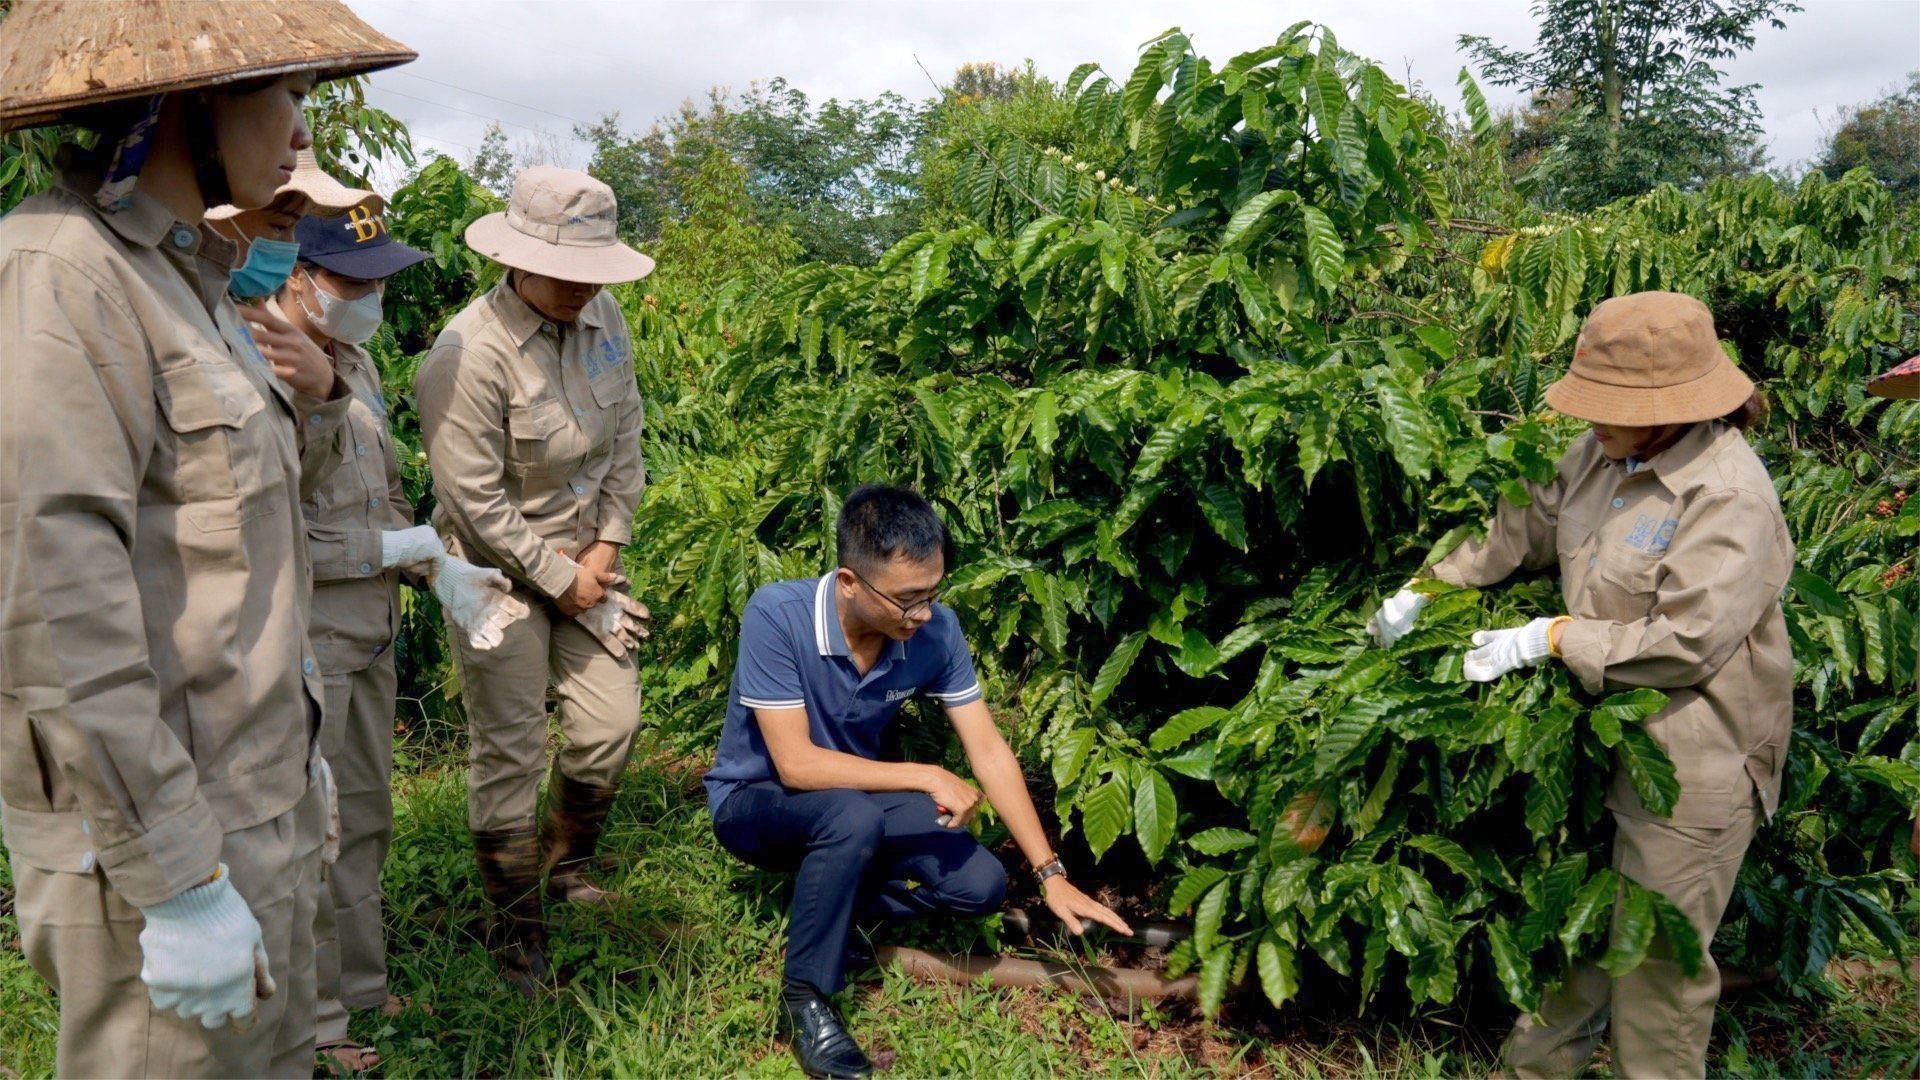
x=129, y=155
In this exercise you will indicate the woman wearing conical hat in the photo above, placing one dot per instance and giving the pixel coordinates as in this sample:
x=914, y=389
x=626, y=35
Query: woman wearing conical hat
x=160, y=788
x=1672, y=554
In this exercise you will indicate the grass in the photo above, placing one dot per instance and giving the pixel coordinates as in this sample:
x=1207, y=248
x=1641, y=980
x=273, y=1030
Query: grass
x=680, y=980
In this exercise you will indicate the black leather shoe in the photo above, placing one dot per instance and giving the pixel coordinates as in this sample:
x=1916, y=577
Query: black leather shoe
x=820, y=1040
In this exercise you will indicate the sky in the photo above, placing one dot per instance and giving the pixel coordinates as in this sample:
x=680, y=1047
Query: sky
x=541, y=66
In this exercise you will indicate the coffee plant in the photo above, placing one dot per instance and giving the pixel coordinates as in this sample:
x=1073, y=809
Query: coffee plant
x=1203, y=362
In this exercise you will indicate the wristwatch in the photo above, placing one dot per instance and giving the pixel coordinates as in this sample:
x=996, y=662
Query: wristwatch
x=1051, y=868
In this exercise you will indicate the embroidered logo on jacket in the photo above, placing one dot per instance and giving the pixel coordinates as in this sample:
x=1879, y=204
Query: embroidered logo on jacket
x=1651, y=538
x=604, y=357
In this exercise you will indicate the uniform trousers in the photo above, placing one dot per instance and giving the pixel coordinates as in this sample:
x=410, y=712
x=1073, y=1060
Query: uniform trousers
x=505, y=692
x=356, y=735
x=1662, y=1019
x=84, y=939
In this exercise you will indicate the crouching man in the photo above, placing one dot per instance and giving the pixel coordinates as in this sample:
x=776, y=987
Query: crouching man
x=798, y=787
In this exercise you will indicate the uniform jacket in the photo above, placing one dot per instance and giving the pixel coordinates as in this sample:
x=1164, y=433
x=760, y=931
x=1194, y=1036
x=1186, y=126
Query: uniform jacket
x=1673, y=576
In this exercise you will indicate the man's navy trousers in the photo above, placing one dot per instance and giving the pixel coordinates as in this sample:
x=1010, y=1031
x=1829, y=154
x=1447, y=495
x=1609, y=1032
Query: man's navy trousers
x=875, y=854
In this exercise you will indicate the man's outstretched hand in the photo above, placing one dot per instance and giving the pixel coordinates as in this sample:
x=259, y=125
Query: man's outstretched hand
x=1076, y=908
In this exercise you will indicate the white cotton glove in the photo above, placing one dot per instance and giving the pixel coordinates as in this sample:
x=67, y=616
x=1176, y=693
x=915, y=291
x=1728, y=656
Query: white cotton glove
x=318, y=771
x=416, y=549
x=480, y=602
x=1396, y=616
x=619, y=622
x=1500, y=651
x=202, y=955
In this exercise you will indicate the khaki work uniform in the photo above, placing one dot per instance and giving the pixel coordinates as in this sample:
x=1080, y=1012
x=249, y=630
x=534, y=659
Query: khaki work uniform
x=533, y=431
x=356, y=616
x=159, y=699
x=1673, y=576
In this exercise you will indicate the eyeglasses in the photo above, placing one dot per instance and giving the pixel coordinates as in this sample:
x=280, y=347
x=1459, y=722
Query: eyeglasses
x=907, y=611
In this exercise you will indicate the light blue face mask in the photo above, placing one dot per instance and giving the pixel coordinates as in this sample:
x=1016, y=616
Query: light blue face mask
x=269, y=263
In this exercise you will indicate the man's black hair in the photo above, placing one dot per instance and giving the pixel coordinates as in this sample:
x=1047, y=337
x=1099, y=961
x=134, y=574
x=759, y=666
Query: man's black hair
x=879, y=523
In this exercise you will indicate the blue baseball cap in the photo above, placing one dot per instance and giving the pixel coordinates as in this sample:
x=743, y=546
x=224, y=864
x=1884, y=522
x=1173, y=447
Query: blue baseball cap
x=355, y=244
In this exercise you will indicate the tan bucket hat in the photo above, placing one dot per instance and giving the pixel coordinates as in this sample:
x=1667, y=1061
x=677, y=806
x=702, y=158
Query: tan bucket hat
x=559, y=223
x=320, y=194
x=1901, y=381
x=1648, y=359
x=57, y=56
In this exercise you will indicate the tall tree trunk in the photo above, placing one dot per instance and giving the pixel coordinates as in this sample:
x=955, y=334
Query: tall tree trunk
x=1607, y=17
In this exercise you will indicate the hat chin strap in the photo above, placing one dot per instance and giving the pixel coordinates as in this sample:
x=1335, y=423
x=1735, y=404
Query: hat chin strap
x=209, y=171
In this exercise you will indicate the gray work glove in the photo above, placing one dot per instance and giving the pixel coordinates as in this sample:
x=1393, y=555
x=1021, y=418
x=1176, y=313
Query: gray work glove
x=416, y=550
x=1498, y=652
x=202, y=955
x=1396, y=616
x=618, y=622
x=478, y=601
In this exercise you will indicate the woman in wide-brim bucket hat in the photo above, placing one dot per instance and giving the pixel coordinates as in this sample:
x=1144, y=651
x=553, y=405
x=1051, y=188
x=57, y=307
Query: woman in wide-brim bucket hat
x=562, y=224
x=1649, y=360
x=166, y=837
x=531, y=415
x=1672, y=554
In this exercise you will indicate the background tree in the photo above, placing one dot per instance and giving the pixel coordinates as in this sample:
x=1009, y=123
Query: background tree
x=492, y=164
x=1628, y=94
x=838, y=175
x=351, y=136
x=1882, y=137
x=985, y=79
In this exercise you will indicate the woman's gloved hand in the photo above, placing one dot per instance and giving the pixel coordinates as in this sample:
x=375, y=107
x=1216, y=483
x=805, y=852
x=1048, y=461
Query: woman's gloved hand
x=1396, y=616
x=1498, y=652
x=619, y=622
x=414, y=550
x=202, y=955
x=480, y=602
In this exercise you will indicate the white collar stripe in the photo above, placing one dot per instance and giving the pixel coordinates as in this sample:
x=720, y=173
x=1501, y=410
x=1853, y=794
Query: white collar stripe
x=820, y=601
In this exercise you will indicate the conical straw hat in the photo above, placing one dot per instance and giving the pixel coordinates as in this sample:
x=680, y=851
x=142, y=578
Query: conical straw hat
x=60, y=55
x=1903, y=381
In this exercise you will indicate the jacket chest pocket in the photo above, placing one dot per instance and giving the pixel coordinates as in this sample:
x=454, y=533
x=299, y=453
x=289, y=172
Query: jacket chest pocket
x=609, y=393
x=224, y=461
x=611, y=387
x=539, y=439
x=1573, y=541
x=1625, y=583
x=1626, y=554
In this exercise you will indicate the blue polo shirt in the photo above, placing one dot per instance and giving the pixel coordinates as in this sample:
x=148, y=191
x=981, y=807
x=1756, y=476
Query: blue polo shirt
x=794, y=654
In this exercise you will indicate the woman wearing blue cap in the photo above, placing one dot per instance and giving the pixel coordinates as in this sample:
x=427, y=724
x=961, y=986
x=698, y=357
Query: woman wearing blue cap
x=361, y=537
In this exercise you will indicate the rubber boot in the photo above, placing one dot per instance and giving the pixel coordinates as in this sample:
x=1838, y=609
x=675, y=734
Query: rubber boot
x=516, y=922
x=576, y=815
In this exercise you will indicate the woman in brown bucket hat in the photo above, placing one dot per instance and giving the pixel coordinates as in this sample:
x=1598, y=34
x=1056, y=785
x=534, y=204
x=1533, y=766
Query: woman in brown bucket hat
x=531, y=419
x=159, y=781
x=1672, y=554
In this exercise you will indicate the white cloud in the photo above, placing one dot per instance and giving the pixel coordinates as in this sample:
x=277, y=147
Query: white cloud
x=539, y=66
